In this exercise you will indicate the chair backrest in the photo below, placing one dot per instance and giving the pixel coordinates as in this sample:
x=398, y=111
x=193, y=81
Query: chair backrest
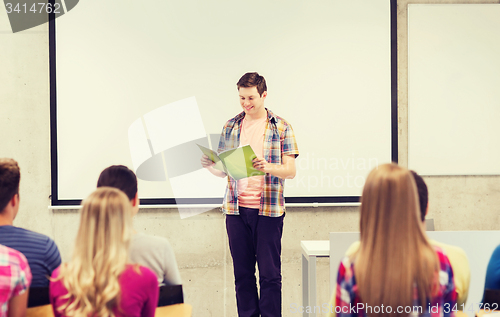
x=429, y=224
x=170, y=294
x=339, y=243
x=38, y=296
x=177, y=310
x=492, y=297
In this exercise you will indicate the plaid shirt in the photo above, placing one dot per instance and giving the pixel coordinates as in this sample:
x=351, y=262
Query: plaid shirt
x=15, y=276
x=279, y=140
x=347, y=295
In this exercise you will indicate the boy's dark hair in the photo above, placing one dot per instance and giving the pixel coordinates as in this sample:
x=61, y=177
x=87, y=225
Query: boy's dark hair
x=10, y=175
x=253, y=80
x=423, y=194
x=121, y=177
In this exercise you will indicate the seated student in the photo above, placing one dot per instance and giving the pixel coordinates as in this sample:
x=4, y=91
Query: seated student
x=41, y=251
x=458, y=258
x=395, y=267
x=152, y=252
x=98, y=281
x=15, y=279
x=492, y=280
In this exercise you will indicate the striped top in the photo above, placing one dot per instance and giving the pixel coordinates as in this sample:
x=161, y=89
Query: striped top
x=41, y=251
x=15, y=276
x=279, y=140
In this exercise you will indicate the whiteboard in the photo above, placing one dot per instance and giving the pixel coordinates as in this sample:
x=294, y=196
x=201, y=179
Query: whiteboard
x=122, y=66
x=453, y=89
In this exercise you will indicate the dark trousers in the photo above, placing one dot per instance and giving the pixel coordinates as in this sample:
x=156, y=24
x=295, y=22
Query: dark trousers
x=256, y=239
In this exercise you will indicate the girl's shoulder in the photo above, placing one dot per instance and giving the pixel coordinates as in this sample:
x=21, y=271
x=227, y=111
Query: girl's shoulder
x=139, y=274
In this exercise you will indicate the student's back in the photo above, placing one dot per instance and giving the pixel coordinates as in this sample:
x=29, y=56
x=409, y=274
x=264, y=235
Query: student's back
x=395, y=267
x=99, y=280
x=157, y=254
x=137, y=284
x=41, y=251
x=492, y=280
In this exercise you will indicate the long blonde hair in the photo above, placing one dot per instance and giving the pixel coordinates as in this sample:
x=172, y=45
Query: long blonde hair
x=100, y=255
x=394, y=255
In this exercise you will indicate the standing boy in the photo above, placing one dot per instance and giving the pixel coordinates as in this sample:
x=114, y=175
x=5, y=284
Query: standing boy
x=254, y=206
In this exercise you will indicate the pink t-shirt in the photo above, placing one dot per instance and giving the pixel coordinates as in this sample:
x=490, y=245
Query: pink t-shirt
x=139, y=292
x=250, y=189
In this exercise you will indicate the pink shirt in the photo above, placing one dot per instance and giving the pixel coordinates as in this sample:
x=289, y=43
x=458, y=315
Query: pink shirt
x=139, y=293
x=250, y=189
x=15, y=276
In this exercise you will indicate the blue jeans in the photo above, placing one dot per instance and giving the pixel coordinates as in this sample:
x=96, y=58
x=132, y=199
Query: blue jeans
x=256, y=239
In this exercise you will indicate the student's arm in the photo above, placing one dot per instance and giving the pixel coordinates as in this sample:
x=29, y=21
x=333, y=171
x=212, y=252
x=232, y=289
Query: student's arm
x=56, y=292
x=344, y=291
x=461, y=274
x=208, y=164
x=22, y=281
x=331, y=305
x=289, y=151
x=285, y=170
x=449, y=294
x=17, y=305
x=52, y=256
x=150, y=286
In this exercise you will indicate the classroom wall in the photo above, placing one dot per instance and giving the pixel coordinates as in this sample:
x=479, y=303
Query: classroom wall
x=200, y=243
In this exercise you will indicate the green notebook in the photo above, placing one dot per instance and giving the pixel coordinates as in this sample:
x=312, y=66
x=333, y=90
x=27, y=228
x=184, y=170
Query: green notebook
x=236, y=163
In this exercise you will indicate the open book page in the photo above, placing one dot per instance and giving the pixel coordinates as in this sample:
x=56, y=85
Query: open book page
x=238, y=162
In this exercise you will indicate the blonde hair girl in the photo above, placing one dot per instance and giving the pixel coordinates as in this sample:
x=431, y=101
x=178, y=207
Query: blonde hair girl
x=98, y=281
x=395, y=269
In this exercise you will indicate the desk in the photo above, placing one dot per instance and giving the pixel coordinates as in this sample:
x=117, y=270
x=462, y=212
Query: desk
x=177, y=310
x=40, y=311
x=310, y=250
x=483, y=312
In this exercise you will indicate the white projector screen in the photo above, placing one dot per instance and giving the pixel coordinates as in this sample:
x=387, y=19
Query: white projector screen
x=137, y=81
x=453, y=95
